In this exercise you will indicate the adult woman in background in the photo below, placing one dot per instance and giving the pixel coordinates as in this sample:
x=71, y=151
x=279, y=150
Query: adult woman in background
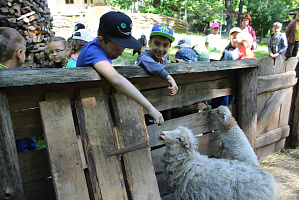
x=245, y=27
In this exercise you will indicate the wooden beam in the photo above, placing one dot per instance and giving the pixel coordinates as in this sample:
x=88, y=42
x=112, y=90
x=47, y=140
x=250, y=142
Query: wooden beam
x=247, y=102
x=131, y=129
x=96, y=128
x=276, y=82
x=270, y=108
x=62, y=145
x=11, y=183
x=272, y=136
x=37, y=76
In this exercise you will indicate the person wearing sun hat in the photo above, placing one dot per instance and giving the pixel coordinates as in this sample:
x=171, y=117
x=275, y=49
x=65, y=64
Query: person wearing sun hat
x=80, y=38
x=213, y=42
x=114, y=35
x=185, y=52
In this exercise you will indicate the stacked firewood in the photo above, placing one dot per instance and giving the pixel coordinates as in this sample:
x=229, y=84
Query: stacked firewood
x=33, y=20
x=146, y=20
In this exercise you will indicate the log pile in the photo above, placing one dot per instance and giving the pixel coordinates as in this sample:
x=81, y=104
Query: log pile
x=146, y=20
x=33, y=20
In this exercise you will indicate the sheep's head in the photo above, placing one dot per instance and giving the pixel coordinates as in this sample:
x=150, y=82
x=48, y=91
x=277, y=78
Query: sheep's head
x=222, y=113
x=181, y=137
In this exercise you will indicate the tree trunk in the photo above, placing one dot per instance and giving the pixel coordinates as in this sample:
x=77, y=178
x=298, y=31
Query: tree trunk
x=240, y=15
x=228, y=17
x=155, y=3
x=261, y=36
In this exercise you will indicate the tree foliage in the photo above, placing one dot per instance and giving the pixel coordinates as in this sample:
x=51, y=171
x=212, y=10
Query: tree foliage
x=264, y=12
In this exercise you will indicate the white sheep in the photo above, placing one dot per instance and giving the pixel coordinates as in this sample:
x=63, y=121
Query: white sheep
x=232, y=136
x=197, y=177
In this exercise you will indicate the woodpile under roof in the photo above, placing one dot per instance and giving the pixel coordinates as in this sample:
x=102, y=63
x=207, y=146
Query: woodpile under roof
x=33, y=20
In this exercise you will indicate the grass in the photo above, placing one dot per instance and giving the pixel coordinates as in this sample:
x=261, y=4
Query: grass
x=128, y=60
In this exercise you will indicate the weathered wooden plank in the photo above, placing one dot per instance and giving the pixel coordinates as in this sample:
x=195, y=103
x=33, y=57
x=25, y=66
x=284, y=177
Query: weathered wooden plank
x=96, y=129
x=261, y=101
x=267, y=66
x=272, y=136
x=275, y=82
x=152, y=82
x=198, y=123
x=280, y=63
x=42, y=189
x=62, y=146
x=190, y=93
x=265, y=151
x=138, y=164
x=36, y=76
x=270, y=108
x=246, y=98
x=273, y=121
x=27, y=123
x=34, y=165
x=291, y=64
x=11, y=183
x=294, y=136
x=285, y=109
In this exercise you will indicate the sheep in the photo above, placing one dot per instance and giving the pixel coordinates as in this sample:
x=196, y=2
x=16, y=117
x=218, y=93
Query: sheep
x=232, y=136
x=196, y=177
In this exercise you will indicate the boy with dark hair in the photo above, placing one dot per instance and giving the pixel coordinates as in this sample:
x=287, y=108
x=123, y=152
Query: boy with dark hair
x=12, y=54
x=153, y=59
x=114, y=35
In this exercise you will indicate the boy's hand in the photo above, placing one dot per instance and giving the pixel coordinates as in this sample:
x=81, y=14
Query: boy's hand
x=177, y=60
x=173, y=88
x=157, y=116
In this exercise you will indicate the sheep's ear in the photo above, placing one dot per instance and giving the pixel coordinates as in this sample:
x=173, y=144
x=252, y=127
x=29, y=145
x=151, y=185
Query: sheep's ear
x=187, y=145
x=178, y=126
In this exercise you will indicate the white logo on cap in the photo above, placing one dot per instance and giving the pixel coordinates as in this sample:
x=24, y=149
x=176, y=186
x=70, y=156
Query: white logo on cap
x=125, y=33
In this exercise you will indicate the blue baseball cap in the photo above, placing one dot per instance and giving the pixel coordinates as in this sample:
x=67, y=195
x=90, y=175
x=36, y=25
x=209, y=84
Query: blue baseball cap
x=117, y=27
x=163, y=30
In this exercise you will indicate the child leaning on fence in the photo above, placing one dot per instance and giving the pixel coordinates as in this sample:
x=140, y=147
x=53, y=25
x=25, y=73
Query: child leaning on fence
x=12, y=54
x=114, y=35
x=152, y=60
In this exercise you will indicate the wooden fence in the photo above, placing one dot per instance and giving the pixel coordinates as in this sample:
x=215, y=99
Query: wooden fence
x=97, y=143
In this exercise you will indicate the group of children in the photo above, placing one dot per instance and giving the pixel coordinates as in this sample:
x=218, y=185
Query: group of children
x=114, y=35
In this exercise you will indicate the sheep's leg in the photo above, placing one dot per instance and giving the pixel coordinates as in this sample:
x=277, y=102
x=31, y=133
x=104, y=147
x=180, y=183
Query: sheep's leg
x=220, y=150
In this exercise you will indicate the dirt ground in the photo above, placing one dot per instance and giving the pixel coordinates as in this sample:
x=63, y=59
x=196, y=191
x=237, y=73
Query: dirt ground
x=284, y=165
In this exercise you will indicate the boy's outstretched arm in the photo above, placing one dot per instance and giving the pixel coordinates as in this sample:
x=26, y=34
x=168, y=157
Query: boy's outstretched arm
x=173, y=88
x=124, y=86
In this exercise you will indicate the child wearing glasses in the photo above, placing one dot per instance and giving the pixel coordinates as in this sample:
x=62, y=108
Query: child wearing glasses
x=58, y=50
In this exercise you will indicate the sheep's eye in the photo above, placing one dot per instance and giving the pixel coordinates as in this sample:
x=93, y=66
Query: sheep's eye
x=179, y=139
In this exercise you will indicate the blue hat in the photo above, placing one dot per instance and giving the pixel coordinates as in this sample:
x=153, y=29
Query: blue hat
x=163, y=30
x=186, y=54
x=117, y=27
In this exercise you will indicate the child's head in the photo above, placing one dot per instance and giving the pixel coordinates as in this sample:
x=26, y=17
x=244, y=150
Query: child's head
x=58, y=50
x=12, y=46
x=233, y=35
x=277, y=27
x=215, y=28
x=160, y=41
x=184, y=42
x=244, y=39
x=80, y=38
x=114, y=34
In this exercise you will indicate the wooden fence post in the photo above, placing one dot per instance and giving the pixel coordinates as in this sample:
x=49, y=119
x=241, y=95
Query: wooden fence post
x=11, y=182
x=247, y=102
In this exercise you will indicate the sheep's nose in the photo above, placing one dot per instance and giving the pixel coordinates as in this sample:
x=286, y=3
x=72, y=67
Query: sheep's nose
x=162, y=133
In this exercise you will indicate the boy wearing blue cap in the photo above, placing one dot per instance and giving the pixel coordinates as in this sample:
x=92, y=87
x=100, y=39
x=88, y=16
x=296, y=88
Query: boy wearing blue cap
x=153, y=59
x=114, y=35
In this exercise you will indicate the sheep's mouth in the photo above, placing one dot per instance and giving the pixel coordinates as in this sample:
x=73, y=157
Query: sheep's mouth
x=161, y=138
